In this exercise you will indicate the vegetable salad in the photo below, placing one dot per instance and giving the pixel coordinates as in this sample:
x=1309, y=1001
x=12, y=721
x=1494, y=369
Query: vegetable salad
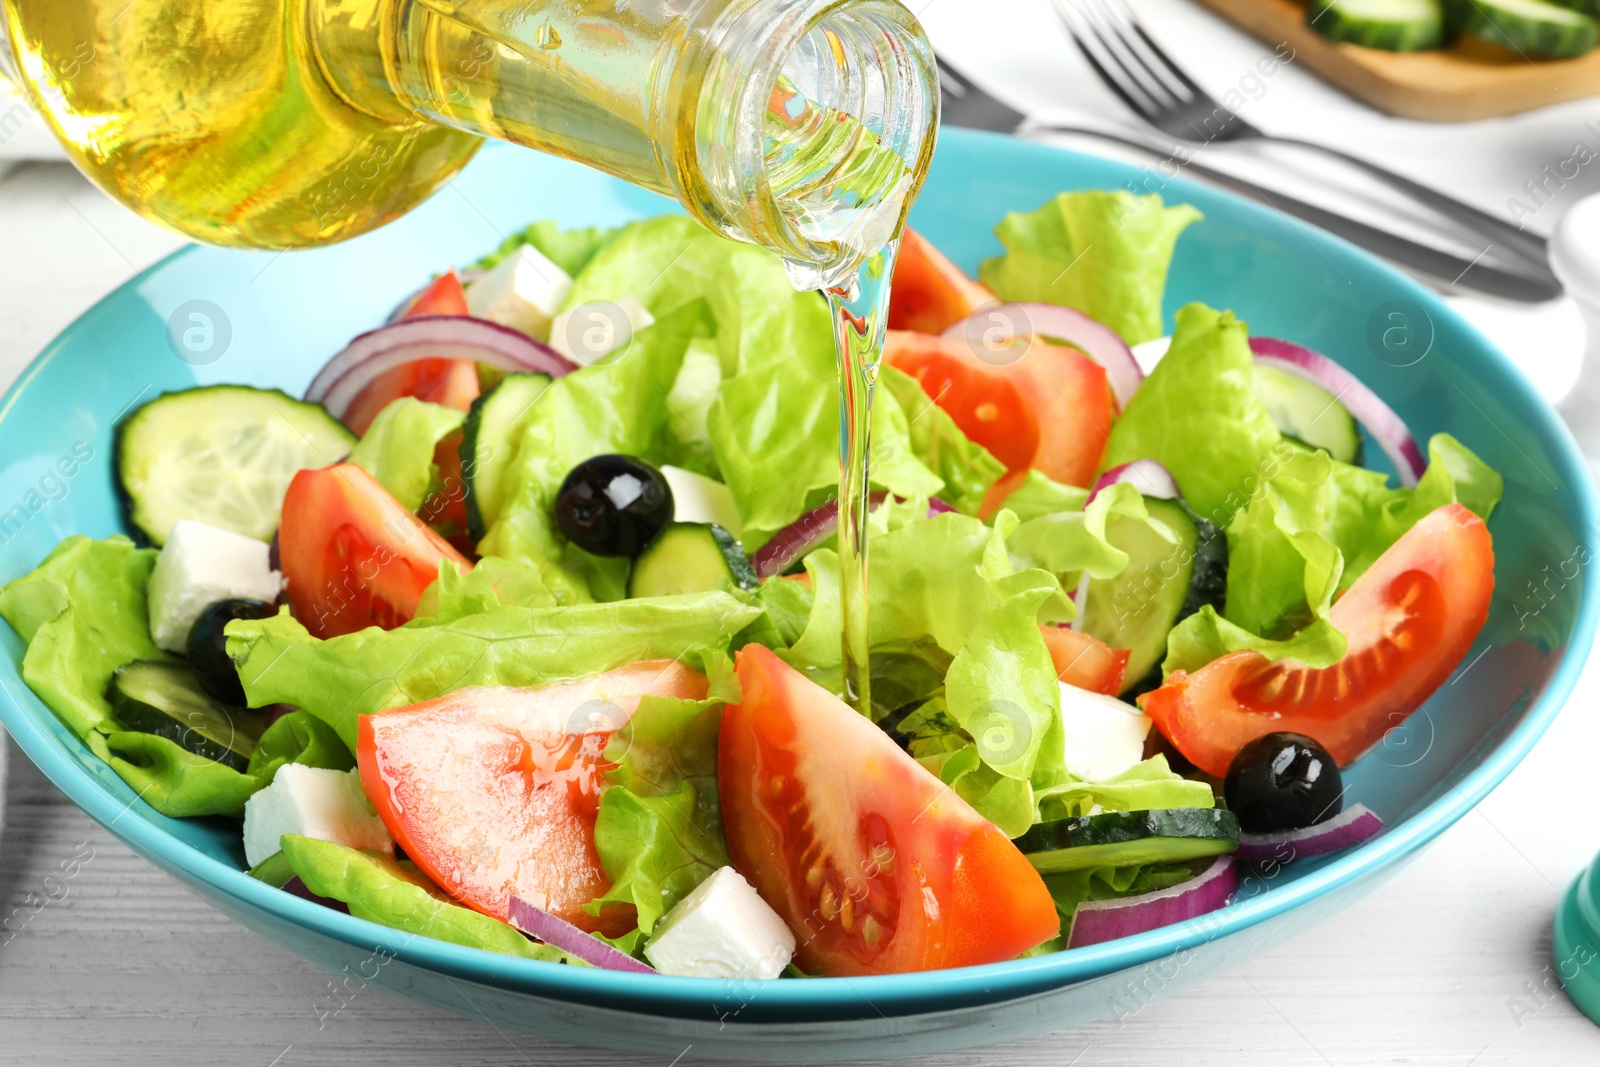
x=521, y=628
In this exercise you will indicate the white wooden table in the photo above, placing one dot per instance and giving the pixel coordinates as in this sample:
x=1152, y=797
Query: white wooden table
x=1445, y=965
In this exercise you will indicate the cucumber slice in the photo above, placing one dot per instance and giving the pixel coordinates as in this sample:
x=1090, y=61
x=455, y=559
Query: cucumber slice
x=164, y=699
x=1130, y=838
x=1309, y=413
x=1527, y=26
x=691, y=557
x=489, y=440
x=1392, y=25
x=1163, y=584
x=219, y=454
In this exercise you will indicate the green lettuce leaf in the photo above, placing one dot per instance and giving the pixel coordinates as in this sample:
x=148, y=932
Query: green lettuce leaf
x=1198, y=414
x=397, y=448
x=1311, y=528
x=659, y=827
x=180, y=784
x=571, y=250
x=1146, y=786
x=1075, y=541
x=1038, y=495
x=611, y=407
x=492, y=583
x=82, y=612
x=381, y=889
x=345, y=677
x=1104, y=252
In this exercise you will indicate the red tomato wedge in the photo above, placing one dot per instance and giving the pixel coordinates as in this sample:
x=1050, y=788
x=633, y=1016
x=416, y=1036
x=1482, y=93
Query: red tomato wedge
x=928, y=292
x=1085, y=661
x=352, y=555
x=493, y=791
x=451, y=382
x=876, y=865
x=1043, y=406
x=1409, y=621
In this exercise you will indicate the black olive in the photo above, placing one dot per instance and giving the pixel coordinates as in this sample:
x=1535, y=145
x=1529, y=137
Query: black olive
x=613, y=505
x=1282, y=781
x=208, y=647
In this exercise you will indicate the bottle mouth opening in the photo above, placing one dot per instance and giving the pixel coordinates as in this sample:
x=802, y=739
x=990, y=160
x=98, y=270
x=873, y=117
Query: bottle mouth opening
x=815, y=128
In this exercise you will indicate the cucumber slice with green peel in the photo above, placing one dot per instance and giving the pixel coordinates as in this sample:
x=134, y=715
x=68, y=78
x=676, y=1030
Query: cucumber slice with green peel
x=219, y=454
x=1310, y=414
x=489, y=439
x=1163, y=584
x=691, y=557
x=164, y=699
x=1392, y=25
x=1530, y=27
x=1130, y=838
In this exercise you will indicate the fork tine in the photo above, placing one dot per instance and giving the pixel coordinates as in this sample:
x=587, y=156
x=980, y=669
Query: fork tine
x=1163, y=62
x=1105, y=61
x=1152, y=62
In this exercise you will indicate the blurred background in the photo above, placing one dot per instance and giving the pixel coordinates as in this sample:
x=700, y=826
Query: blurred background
x=1446, y=964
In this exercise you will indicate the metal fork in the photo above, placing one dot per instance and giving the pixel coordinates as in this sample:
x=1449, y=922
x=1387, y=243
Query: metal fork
x=1146, y=79
x=963, y=103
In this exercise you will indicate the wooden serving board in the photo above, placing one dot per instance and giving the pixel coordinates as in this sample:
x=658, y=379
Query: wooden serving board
x=1471, y=79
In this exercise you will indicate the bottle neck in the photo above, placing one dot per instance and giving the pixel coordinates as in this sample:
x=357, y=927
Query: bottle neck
x=803, y=126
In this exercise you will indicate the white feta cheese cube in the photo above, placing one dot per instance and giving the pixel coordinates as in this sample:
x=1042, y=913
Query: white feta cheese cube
x=312, y=802
x=1104, y=736
x=723, y=929
x=696, y=498
x=591, y=331
x=200, y=565
x=522, y=291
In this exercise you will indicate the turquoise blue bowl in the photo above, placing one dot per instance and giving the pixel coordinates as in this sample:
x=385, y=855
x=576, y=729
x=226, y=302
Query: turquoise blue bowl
x=285, y=315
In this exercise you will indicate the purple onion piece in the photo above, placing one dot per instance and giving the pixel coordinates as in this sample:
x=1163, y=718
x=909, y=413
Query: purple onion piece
x=1378, y=418
x=1106, y=920
x=1146, y=475
x=536, y=922
x=429, y=337
x=1350, y=827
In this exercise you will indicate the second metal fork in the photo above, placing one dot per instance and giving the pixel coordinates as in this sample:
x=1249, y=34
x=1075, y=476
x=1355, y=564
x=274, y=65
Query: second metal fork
x=1146, y=79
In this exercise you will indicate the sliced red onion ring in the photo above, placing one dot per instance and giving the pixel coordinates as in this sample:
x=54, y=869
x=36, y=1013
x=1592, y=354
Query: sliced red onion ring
x=1106, y=920
x=534, y=920
x=1350, y=827
x=1099, y=342
x=428, y=337
x=1146, y=475
x=1378, y=418
x=811, y=529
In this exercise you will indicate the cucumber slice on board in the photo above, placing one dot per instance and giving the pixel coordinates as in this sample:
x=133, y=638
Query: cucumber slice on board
x=1527, y=26
x=691, y=557
x=1163, y=584
x=489, y=439
x=164, y=699
x=1310, y=414
x=1392, y=25
x=219, y=454
x=1130, y=838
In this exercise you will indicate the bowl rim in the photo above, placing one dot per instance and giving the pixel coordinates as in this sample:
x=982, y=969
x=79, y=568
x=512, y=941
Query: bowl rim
x=885, y=995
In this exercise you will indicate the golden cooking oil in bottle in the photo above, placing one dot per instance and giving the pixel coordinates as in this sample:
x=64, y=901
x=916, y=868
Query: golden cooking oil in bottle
x=803, y=126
